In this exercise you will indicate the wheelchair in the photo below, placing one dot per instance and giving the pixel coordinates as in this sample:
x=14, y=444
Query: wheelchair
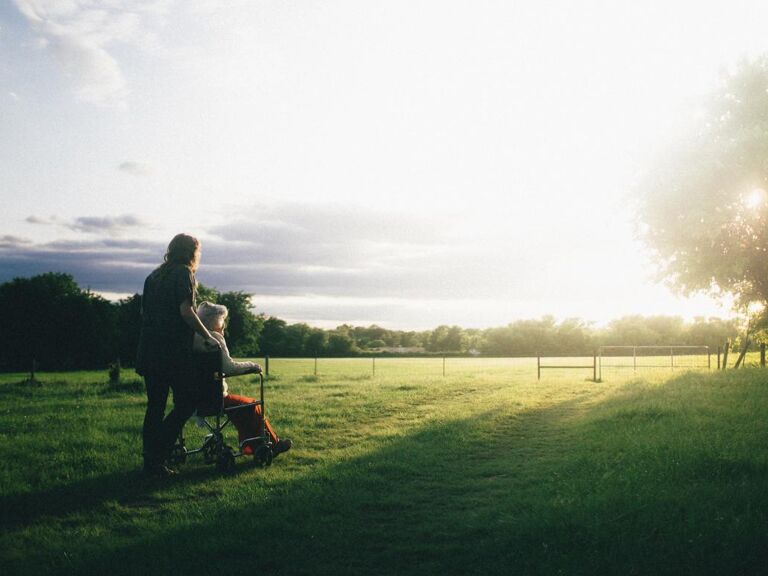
x=208, y=380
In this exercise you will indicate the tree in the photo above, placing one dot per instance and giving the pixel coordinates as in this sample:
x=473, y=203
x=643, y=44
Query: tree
x=712, y=332
x=704, y=209
x=243, y=327
x=455, y=340
x=128, y=328
x=643, y=331
x=272, y=337
x=204, y=293
x=56, y=323
x=340, y=343
x=296, y=339
x=410, y=339
x=436, y=339
x=574, y=337
x=523, y=338
x=363, y=336
x=316, y=343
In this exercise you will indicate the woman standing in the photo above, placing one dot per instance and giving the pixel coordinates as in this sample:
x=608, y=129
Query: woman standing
x=168, y=325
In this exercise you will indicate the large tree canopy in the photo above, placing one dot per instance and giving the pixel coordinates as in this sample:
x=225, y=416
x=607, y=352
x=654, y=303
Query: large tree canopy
x=704, y=207
x=51, y=320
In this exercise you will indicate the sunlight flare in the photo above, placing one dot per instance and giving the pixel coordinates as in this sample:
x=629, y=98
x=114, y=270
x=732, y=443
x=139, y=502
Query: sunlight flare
x=755, y=199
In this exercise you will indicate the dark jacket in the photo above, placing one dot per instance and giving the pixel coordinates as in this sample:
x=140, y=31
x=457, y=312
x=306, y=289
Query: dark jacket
x=165, y=343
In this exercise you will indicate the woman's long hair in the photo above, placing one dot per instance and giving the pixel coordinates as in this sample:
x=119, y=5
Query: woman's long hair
x=182, y=251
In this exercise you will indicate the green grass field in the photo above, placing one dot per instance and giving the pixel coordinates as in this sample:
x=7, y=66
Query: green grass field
x=483, y=471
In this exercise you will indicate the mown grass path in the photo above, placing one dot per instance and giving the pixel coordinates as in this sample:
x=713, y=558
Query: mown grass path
x=485, y=471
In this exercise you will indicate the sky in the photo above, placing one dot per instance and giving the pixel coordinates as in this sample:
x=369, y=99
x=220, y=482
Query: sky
x=404, y=163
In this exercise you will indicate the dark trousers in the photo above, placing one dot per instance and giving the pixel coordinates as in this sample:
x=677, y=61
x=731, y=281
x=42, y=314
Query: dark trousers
x=160, y=431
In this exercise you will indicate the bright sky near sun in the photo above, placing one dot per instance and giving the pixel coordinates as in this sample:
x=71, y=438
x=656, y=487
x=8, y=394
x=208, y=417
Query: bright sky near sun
x=406, y=163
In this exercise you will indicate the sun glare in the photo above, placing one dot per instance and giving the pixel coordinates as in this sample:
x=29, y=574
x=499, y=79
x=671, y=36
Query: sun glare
x=755, y=198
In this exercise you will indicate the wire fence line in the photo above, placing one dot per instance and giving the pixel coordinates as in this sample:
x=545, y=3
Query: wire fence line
x=605, y=361
x=378, y=365
x=641, y=358
x=615, y=361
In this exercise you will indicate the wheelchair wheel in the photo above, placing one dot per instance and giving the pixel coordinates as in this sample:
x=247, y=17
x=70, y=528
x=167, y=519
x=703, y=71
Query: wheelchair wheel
x=225, y=463
x=178, y=455
x=262, y=456
x=209, y=450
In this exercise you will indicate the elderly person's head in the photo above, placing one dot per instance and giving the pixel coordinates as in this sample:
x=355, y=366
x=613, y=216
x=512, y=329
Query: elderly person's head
x=212, y=316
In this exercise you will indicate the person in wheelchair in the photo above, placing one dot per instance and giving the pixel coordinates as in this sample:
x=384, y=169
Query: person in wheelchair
x=249, y=423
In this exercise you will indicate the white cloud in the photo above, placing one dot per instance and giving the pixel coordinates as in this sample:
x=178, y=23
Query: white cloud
x=32, y=219
x=98, y=75
x=81, y=35
x=10, y=241
x=135, y=168
x=112, y=225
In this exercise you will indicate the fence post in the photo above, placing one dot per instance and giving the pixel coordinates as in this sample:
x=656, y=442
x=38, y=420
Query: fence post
x=266, y=365
x=315, y=365
x=743, y=355
x=443, y=365
x=718, y=357
x=762, y=355
x=374, y=365
x=634, y=358
x=538, y=366
x=594, y=365
x=725, y=353
x=114, y=372
x=600, y=363
x=32, y=373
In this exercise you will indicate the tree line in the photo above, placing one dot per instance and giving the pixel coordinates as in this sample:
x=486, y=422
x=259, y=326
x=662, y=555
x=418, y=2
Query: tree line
x=59, y=325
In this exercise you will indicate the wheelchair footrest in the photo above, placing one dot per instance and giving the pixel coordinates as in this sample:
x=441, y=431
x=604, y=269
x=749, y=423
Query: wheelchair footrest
x=255, y=441
x=241, y=406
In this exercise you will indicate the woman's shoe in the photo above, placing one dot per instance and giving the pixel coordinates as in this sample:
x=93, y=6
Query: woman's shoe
x=281, y=446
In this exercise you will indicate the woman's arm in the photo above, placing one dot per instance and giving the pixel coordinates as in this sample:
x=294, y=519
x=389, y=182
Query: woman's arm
x=190, y=317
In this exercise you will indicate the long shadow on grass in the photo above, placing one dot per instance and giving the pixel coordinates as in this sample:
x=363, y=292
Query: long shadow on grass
x=131, y=489
x=545, y=491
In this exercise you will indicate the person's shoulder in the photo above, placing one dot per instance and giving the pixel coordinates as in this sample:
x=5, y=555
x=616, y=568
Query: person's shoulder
x=152, y=276
x=219, y=337
x=181, y=275
x=181, y=270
